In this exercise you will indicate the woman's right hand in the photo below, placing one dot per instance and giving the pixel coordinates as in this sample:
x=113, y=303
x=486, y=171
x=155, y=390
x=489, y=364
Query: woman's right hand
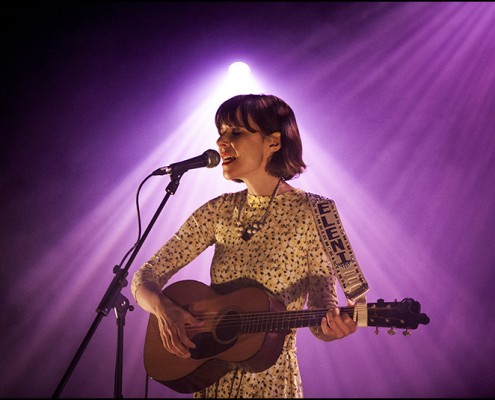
x=173, y=324
x=173, y=321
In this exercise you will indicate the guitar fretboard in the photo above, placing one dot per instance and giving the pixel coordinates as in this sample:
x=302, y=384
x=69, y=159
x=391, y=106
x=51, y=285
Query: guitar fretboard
x=274, y=321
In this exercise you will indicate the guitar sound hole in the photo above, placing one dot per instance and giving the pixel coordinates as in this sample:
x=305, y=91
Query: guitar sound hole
x=228, y=327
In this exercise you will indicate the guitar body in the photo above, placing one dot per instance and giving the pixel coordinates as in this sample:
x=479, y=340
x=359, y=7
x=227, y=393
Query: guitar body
x=219, y=346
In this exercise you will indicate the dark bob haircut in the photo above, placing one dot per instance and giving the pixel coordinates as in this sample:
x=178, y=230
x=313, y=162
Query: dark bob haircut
x=270, y=114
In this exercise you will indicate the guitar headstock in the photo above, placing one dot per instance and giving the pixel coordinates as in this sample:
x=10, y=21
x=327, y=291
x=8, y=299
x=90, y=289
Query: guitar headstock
x=404, y=314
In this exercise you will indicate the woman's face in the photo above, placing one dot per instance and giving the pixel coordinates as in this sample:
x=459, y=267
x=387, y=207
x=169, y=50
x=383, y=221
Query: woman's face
x=244, y=153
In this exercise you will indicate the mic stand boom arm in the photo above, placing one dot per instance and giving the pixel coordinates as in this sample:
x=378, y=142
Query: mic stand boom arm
x=114, y=299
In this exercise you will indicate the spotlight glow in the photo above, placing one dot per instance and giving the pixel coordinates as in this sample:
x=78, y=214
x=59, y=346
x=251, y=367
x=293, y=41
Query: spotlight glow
x=239, y=70
x=239, y=80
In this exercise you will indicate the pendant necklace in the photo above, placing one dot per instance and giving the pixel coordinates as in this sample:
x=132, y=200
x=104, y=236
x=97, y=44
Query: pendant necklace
x=246, y=232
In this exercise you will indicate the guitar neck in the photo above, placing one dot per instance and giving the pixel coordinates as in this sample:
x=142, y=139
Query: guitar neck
x=283, y=320
x=405, y=315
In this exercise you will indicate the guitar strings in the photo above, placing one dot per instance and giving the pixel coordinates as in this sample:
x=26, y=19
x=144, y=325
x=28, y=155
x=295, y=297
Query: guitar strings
x=213, y=319
x=256, y=319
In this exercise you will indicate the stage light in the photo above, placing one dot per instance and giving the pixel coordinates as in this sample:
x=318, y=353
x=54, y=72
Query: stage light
x=239, y=70
x=239, y=80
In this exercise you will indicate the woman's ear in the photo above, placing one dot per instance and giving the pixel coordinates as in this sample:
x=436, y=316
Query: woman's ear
x=274, y=141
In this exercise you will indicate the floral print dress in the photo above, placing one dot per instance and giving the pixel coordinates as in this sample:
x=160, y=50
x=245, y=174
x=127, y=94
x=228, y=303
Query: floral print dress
x=285, y=256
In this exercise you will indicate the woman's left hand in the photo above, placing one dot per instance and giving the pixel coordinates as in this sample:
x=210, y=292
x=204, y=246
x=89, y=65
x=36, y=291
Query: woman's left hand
x=336, y=326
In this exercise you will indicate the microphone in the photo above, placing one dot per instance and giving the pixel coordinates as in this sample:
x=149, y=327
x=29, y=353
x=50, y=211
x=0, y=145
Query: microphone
x=209, y=159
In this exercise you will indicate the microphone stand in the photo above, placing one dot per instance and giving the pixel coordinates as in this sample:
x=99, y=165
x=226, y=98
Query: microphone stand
x=114, y=299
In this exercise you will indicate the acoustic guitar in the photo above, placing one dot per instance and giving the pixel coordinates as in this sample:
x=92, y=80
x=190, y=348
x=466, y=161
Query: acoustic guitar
x=246, y=327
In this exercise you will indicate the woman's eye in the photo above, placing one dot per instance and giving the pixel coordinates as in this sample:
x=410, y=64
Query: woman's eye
x=236, y=132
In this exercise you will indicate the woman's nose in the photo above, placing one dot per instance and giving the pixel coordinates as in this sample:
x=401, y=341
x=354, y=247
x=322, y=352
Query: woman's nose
x=221, y=141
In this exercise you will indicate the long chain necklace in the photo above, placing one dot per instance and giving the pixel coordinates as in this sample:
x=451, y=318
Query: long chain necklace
x=247, y=232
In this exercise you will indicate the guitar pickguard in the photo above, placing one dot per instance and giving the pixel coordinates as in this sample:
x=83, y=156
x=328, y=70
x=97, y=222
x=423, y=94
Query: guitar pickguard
x=207, y=346
x=223, y=337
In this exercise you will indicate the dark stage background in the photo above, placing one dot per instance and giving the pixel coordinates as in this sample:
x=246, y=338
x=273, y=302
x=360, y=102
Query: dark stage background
x=395, y=102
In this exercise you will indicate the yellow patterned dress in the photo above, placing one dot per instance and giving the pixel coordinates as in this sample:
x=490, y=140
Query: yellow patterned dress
x=286, y=256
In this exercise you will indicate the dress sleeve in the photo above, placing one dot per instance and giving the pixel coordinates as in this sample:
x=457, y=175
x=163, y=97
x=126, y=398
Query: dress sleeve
x=193, y=237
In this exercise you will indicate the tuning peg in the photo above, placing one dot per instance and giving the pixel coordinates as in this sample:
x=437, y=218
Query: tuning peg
x=391, y=331
x=406, y=333
x=376, y=331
